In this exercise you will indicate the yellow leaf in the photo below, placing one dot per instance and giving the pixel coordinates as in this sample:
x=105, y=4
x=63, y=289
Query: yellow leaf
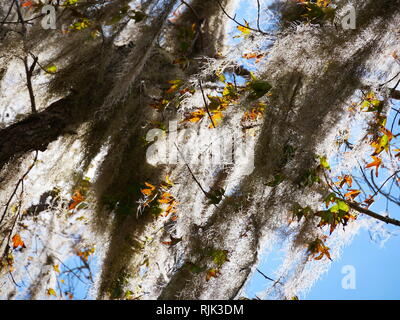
x=195, y=116
x=51, y=69
x=216, y=119
x=51, y=292
x=56, y=268
x=244, y=29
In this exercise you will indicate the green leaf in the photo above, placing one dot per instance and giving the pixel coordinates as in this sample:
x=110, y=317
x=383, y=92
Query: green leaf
x=51, y=69
x=342, y=205
x=324, y=163
x=259, y=88
x=220, y=257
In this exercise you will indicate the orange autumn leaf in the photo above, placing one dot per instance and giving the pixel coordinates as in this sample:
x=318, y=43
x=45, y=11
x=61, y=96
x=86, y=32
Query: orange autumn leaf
x=195, y=116
x=149, y=190
x=376, y=163
x=17, y=241
x=346, y=179
x=212, y=273
x=317, y=249
x=26, y=4
x=173, y=241
x=85, y=254
x=175, y=84
x=352, y=194
x=77, y=198
x=257, y=56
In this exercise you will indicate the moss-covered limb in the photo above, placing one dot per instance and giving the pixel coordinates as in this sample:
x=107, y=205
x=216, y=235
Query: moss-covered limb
x=37, y=130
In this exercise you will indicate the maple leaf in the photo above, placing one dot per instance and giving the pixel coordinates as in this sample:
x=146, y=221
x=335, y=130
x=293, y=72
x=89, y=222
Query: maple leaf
x=376, y=163
x=253, y=114
x=17, y=241
x=220, y=257
x=212, y=273
x=166, y=198
x=175, y=84
x=84, y=255
x=254, y=55
x=77, y=198
x=195, y=116
x=216, y=119
x=149, y=190
x=318, y=249
x=56, y=268
x=51, y=292
x=324, y=163
x=26, y=4
x=245, y=31
x=173, y=241
x=352, y=194
x=331, y=198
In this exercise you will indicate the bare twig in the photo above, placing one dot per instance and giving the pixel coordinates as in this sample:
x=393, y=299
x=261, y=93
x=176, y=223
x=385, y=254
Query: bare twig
x=206, y=104
x=266, y=277
x=17, y=186
x=29, y=72
x=237, y=22
x=8, y=12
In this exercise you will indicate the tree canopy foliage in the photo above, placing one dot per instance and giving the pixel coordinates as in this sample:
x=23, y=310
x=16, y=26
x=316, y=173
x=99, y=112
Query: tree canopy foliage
x=86, y=207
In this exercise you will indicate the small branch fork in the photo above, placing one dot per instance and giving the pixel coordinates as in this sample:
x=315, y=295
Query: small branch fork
x=20, y=182
x=29, y=72
x=241, y=24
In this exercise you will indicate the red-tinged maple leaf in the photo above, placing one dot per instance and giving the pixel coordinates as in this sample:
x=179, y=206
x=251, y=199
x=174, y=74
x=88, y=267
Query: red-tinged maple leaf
x=173, y=241
x=26, y=4
x=352, y=194
x=376, y=163
x=317, y=249
x=212, y=273
x=370, y=200
x=17, y=241
x=77, y=198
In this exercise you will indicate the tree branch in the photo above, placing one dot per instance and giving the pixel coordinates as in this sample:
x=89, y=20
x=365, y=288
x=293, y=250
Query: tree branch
x=38, y=130
x=373, y=214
